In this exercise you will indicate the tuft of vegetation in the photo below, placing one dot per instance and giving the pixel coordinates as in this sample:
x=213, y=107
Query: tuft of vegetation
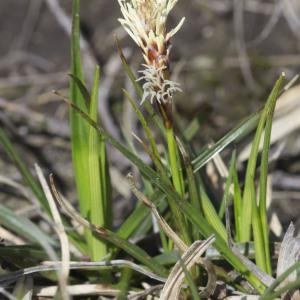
x=200, y=241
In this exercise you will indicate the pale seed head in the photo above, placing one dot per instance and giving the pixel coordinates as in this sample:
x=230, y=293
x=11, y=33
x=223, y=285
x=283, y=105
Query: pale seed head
x=145, y=22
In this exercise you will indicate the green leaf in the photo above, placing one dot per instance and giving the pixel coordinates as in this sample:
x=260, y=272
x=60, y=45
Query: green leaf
x=24, y=228
x=248, y=200
x=211, y=214
x=26, y=174
x=79, y=128
x=226, y=195
x=263, y=187
x=97, y=185
x=237, y=204
x=189, y=278
x=235, y=135
x=268, y=295
x=82, y=88
x=134, y=220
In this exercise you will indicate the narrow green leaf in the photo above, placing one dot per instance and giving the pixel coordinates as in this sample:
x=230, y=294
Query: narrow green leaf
x=237, y=204
x=23, y=252
x=191, y=179
x=191, y=284
x=134, y=220
x=82, y=88
x=263, y=188
x=124, y=284
x=227, y=186
x=28, y=230
x=268, y=295
x=79, y=128
x=22, y=226
x=235, y=135
x=97, y=185
x=191, y=130
x=26, y=174
x=106, y=185
x=251, y=167
x=211, y=214
x=178, y=183
x=257, y=232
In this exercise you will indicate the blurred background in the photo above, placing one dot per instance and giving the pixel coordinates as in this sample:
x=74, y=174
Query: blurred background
x=226, y=57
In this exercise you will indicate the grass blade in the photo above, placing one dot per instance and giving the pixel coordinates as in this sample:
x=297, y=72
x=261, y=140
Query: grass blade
x=26, y=174
x=263, y=188
x=211, y=214
x=97, y=186
x=25, y=228
x=79, y=128
x=235, y=135
x=228, y=185
x=138, y=216
x=82, y=88
x=22, y=226
x=237, y=203
x=249, y=203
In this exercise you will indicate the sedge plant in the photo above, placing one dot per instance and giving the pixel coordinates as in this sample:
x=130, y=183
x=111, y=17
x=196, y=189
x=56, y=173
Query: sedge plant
x=172, y=182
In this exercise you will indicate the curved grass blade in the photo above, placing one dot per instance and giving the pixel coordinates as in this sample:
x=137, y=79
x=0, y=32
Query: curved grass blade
x=249, y=198
x=234, y=135
x=82, y=88
x=26, y=174
x=25, y=228
x=271, y=294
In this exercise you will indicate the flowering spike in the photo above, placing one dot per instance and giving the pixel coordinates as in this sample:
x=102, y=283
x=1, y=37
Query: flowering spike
x=145, y=22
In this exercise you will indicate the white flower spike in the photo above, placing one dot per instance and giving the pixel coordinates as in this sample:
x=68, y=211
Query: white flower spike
x=145, y=22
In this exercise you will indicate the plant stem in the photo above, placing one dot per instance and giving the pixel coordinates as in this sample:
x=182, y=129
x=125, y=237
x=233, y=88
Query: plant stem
x=178, y=182
x=175, y=165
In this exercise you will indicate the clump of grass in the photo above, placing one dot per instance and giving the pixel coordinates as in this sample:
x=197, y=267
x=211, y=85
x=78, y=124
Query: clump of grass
x=174, y=187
